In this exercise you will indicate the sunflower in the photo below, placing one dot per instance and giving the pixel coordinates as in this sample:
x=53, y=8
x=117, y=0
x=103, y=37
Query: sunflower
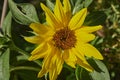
x=63, y=39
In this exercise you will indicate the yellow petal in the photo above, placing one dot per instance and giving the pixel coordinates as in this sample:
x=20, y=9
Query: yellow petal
x=50, y=57
x=90, y=51
x=59, y=64
x=50, y=18
x=39, y=48
x=90, y=29
x=67, y=11
x=50, y=65
x=38, y=39
x=67, y=6
x=58, y=60
x=58, y=11
x=42, y=72
x=81, y=60
x=45, y=66
x=34, y=39
x=79, y=54
x=85, y=65
x=84, y=37
x=78, y=19
x=39, y=28
x=38, y=56
x=53, y=73
x=39, y=52
x=70, y=58
x=65, y=54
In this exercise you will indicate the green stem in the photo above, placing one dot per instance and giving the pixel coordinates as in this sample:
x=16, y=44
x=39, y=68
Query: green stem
x=3, y=12
x=78, y=73
x=24, y=68
x=69, y=68
x=114, y=9
x=27, y=55
x=81, y=73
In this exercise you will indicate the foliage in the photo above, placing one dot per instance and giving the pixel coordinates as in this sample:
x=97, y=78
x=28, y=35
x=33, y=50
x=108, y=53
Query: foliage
x=14, y=50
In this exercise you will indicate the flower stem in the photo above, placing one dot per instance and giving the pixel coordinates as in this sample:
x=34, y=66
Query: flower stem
x=69, y=68
x=3, y=12
x=24, y=68
x=14, y=47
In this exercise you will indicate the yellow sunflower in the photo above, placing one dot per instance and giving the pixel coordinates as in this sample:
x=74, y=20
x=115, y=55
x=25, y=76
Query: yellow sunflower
x=63, y=39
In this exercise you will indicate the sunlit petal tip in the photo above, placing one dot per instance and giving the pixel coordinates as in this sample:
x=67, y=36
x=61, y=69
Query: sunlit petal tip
x=72, y=64
x=59, y=12
x=67, y=7
x=42, y=6
x=99, y=27
x=91, y=69
x=39, y=76
x=85, y=64
x=26, y=38
x=32, y=25
x=84, y=9
x=31, y=58
x=41, y=73
x=90, y=29
x=100, y=57
x=67, y=11
x=32, y=39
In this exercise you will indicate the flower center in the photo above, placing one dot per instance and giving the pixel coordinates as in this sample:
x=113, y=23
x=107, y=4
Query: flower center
x=64, y=38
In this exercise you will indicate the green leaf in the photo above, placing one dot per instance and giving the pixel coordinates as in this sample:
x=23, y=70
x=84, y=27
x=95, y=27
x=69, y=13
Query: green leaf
x=4, y=65
x=23, y=13
x=87, y=3
x=81, y=74
x=6, y=26
x=79, y=4
x=95, y=18
x=2, y=40
x=72, y=3
x=29, y=10
x=98, y=40
x=0, y=53
x=50, y=4
x=103, y=74
x=1, y=35
x=100, y=71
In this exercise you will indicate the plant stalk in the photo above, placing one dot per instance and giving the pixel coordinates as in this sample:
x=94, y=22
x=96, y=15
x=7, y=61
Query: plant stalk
x=3, y=12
